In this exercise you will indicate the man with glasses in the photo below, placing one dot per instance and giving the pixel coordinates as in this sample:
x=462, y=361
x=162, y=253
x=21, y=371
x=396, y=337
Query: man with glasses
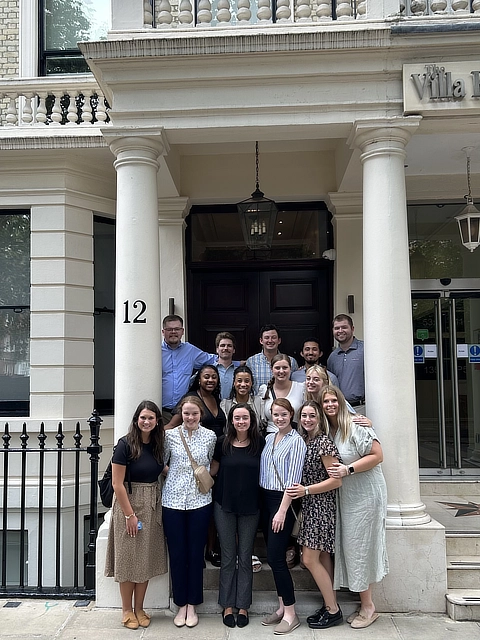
x=179, y=361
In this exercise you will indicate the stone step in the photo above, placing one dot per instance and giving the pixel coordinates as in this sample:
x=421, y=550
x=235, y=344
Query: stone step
x=263, y=580
x=463, y=572
x=463, y=604
x=463, y=543
x=265, y=602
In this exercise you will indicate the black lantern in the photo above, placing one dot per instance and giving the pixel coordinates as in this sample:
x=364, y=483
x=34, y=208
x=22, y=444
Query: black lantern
x=469, y=218
x=257, y=216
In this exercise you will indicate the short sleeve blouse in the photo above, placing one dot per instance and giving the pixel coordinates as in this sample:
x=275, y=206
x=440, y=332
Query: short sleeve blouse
x=180, y=490
x=145, y=469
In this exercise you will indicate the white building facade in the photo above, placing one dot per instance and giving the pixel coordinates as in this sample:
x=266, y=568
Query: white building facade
x=366, y=109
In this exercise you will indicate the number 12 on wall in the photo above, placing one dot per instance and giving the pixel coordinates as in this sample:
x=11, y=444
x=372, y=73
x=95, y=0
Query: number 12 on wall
x=138, y=304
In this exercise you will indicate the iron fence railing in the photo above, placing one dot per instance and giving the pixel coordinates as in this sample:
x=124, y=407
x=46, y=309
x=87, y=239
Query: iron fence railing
x=49, y=511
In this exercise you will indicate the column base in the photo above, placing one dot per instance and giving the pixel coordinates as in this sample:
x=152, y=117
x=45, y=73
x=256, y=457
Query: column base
x=418, y=570
x=107, y=592
x=407, y=514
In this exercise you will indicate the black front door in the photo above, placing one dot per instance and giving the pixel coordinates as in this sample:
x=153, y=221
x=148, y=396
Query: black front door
x=239, y=300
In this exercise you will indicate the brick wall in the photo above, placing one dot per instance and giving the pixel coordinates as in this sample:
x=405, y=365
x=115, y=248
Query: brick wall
x=9, y=43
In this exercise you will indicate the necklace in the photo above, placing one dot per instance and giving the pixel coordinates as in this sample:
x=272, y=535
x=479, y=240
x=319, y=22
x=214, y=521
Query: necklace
x=241, y=441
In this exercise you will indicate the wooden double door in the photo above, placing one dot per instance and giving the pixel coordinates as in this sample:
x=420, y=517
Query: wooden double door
x=241, y=300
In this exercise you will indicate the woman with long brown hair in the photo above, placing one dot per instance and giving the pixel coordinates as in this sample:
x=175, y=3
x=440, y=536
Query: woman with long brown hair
x=280, y=386
x=136, y=545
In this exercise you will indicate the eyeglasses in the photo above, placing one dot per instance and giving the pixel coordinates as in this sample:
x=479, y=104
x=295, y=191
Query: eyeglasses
x=173, y=329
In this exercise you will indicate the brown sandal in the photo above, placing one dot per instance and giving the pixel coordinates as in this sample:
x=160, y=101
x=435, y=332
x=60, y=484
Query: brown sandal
x=143, y=618
x=130, y=620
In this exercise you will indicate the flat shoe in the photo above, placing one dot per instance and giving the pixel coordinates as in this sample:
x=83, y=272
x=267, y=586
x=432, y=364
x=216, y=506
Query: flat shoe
x=286, y=627
x=315, y=617
x=143, y=619
x=191, y=620
x=179, y=620
x=242, y=620
x=228, y=620
x=273, y=618
x=130, y=621
x=361, y=621
x=328, y=620
x=352, y=617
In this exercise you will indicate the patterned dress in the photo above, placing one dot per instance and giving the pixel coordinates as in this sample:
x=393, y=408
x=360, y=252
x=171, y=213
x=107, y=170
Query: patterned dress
x=317, y=530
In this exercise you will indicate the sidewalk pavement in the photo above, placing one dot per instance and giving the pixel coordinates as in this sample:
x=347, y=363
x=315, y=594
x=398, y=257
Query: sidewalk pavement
x=62, y=620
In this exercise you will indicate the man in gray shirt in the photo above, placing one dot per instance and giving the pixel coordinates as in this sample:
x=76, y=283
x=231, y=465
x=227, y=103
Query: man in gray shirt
x=311, y=353
x=346, y=362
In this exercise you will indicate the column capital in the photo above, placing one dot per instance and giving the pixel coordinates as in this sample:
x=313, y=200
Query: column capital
x=139, y=144
x=173, y=211
x=388, y=134
x=347, y=206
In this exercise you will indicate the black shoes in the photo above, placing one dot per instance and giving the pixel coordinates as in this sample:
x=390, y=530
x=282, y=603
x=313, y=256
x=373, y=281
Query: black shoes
x=315, y=617
x=214, y=558
x=228, y=620
x=327, y=620
x=242, y=620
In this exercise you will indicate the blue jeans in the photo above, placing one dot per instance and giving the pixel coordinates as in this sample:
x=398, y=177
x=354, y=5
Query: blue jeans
x=235, y=589
x=186, y=533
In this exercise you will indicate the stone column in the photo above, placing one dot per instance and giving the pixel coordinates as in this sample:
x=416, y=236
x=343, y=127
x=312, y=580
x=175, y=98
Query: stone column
x=171, y=222
x=389, y=370
x=138, y=360
x=347, y=222
x=137, y=296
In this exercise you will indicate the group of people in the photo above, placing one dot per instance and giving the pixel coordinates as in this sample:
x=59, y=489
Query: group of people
x=285, y=446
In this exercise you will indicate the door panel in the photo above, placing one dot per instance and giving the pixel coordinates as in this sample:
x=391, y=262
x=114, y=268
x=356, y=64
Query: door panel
x=297, y=301
x=447, y=325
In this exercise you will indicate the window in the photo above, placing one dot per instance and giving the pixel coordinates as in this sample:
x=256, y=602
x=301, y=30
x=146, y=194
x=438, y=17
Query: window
x=14, y=312
x=64, y=23
x=104, y=274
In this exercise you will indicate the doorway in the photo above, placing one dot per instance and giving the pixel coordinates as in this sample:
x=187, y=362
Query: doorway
x=241, y=300
x=446, y=329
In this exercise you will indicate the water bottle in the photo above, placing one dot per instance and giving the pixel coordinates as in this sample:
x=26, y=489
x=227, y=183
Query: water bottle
x=139, y=525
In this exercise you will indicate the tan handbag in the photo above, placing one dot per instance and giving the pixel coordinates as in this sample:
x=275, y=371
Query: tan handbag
x=203, y=479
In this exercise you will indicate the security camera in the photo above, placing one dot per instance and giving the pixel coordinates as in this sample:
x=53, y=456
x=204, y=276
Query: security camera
x=445, y=281
x=329, y=254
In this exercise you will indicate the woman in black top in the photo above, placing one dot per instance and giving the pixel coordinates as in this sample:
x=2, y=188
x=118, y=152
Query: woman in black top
x=206, y=387
x=136, y=552
x=237, y=509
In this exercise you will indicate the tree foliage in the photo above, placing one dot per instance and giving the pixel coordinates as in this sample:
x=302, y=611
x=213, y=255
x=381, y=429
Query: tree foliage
x=66, y=23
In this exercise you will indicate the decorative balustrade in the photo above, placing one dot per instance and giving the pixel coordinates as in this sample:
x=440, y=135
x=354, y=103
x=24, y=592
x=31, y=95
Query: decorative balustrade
x=54, y=102
x=168, y=14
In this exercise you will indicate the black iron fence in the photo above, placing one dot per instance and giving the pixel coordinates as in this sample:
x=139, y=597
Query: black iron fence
x=49, y=511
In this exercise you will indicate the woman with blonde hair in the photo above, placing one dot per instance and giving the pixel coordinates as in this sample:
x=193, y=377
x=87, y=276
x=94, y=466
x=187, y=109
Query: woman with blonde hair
x=360, y=541
x=315, y=379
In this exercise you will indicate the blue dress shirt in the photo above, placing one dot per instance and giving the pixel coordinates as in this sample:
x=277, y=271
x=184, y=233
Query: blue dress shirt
x=177, y=367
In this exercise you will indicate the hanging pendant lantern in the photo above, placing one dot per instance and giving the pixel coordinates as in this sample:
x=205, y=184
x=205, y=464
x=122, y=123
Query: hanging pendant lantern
x=257, y=216
x=469, y=218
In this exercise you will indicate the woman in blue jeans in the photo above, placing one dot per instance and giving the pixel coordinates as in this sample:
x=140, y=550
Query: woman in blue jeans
x=281, y=467
x=237, y=509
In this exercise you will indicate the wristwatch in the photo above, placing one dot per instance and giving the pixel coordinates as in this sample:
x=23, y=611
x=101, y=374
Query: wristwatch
x=351, y=470
x=307, y=492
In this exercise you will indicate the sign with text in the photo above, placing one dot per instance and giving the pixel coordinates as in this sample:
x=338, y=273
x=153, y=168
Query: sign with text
x=474, y=353
x=418, y=354
x=439, y=87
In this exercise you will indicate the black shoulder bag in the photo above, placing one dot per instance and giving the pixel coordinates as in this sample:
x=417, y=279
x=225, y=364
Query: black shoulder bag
x=105, y=484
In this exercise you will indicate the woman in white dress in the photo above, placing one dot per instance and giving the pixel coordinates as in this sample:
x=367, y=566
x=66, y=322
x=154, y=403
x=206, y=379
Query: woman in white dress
x=280, y=386
x=360, y=544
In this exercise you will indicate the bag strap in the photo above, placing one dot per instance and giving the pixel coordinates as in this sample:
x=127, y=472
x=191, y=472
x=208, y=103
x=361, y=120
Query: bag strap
x=187, y=449
x=280, y=480
x=127, y=468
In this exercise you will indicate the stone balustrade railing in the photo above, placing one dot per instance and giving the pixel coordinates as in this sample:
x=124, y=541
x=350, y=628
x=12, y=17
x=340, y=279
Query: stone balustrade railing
x=53, y=101
x=168, y=14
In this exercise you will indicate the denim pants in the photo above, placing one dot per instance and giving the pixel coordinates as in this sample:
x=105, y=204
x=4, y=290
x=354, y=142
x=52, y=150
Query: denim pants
x=277, y=544
x=237, y=536
x=186, y=533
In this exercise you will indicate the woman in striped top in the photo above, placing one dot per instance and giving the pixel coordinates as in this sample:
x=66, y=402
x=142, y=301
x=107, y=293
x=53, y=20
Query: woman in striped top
x=281, y=466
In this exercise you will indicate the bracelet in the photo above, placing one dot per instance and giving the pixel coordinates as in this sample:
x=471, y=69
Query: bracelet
x=128, y=517
x=307, y=492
